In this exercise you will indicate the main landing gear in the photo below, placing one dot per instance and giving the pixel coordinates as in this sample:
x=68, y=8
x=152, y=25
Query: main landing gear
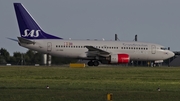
x=93, y=63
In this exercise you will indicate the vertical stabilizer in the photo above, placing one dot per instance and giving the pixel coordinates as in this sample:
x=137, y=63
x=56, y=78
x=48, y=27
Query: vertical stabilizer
x=28, y=27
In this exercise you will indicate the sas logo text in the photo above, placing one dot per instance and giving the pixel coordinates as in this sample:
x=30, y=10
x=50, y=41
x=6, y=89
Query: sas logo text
x=31, y=33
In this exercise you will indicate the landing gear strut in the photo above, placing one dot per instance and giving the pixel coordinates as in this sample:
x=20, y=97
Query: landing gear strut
x=93, y=63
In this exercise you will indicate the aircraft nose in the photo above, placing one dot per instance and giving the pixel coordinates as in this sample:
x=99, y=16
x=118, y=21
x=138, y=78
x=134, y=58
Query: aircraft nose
x=171, y=54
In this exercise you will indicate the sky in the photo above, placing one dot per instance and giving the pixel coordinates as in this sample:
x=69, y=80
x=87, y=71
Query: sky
x=155, y=21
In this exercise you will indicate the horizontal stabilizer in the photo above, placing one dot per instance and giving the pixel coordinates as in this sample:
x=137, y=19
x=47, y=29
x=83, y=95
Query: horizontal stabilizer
x=13, y=39
x=26, y=41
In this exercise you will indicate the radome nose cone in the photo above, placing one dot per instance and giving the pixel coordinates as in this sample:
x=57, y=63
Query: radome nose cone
x=171, y=54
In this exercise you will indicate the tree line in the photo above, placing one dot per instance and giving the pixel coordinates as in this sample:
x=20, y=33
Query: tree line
x=29, y=58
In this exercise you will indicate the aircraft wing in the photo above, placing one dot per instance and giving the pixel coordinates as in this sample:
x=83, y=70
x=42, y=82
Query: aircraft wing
x=93, y=50
x=26, y=41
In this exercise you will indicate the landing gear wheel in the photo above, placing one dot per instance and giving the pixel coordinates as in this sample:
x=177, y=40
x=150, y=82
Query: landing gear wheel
x=96, y=63
x=90, y=63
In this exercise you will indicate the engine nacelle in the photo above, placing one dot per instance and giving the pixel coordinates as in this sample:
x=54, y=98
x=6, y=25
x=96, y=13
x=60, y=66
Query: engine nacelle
x=120, y=58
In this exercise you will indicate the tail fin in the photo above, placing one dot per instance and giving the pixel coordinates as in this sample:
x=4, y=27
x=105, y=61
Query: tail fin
x=28, y=27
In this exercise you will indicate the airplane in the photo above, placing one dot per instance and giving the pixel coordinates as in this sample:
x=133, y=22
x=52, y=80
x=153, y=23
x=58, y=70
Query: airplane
x=95, y=51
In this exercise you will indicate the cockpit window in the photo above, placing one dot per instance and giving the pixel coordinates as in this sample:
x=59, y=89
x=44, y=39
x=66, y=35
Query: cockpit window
x=163, y=48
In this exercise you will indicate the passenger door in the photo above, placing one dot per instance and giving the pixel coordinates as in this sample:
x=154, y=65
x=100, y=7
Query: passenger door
x=49, y=47
x=153, y=49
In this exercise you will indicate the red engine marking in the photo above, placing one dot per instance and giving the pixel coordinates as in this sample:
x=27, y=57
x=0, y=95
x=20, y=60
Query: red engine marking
x=123, y=58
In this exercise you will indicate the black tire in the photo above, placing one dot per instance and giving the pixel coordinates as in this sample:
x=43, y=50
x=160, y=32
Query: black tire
x=96, y=63
x=90, y=63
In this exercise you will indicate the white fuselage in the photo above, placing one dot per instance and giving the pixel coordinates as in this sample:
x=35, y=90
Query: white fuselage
x=76, y=48
x=34, y=38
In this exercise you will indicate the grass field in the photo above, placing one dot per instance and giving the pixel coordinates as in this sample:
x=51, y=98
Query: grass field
x=89, y=84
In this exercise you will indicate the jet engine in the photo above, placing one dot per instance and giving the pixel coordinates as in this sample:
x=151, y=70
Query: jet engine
x=119, y=58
